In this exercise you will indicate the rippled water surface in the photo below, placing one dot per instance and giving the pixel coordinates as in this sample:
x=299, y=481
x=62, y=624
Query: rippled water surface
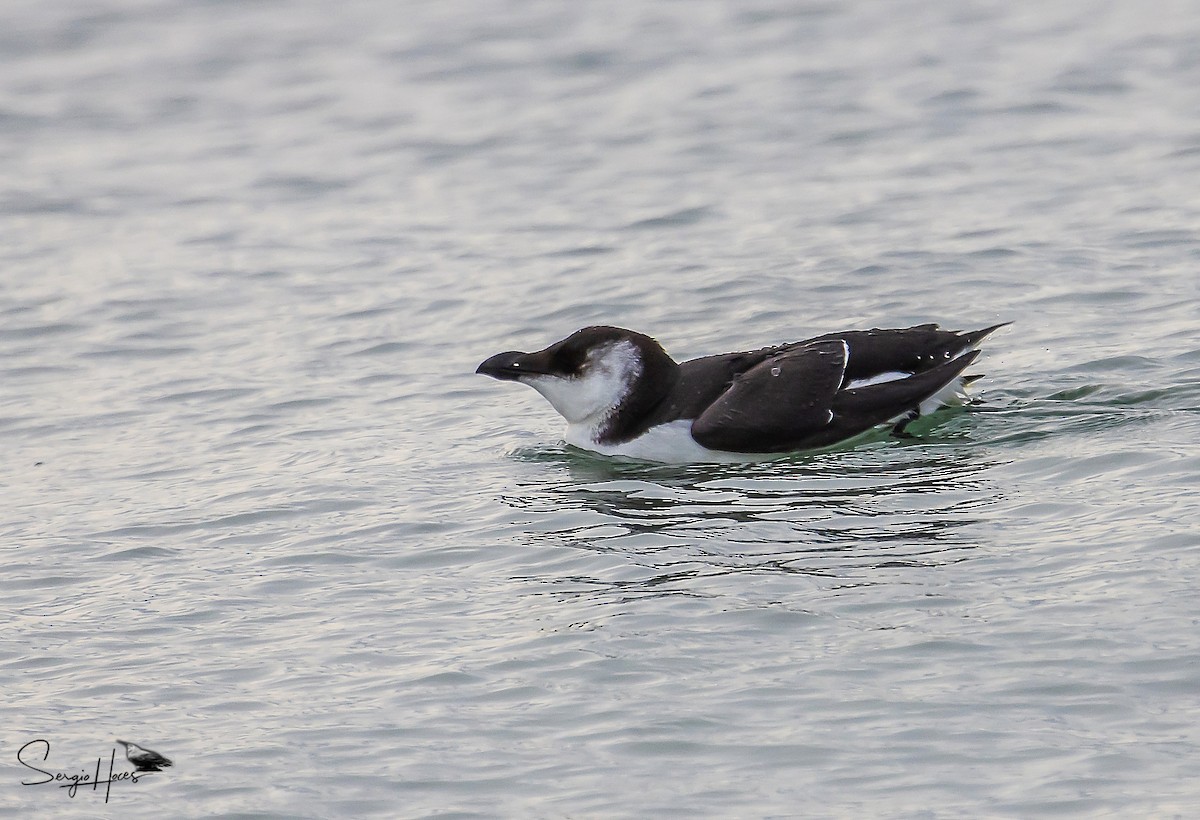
x=260, y=515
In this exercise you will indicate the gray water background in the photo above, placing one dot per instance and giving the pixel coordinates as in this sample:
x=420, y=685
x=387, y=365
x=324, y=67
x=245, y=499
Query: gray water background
x=258, y=513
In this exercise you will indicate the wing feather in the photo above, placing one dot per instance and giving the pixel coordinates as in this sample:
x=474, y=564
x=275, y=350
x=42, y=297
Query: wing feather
x=780, y=401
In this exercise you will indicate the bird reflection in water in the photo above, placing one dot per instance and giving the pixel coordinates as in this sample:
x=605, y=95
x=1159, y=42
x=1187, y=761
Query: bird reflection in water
x=842, y=516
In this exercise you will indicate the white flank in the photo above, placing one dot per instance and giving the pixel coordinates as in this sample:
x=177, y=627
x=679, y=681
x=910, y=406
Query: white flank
x=953, y=394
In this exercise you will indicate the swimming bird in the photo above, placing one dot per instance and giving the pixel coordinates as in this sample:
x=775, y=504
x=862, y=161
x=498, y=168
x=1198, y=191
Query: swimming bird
x=145, y=760
x=623, y=395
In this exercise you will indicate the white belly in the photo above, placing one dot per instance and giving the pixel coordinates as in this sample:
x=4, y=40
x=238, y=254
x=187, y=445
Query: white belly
x=670, y=443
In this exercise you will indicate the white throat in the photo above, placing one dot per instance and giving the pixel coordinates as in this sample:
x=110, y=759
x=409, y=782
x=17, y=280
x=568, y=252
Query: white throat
x=588, y=399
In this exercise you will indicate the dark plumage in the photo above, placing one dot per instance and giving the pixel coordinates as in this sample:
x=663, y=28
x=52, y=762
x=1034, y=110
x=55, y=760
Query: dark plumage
x=145, y=760
x=615, y=385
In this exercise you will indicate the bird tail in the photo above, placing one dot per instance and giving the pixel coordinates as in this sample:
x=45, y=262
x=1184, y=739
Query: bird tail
x=910, y=391
x=975, y=337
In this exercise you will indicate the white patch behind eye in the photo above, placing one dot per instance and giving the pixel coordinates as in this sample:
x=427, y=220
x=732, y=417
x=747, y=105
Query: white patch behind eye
x=588, y=399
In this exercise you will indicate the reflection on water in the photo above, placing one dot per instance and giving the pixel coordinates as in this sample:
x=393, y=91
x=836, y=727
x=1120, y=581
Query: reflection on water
x=844, y=518
x=837, y=516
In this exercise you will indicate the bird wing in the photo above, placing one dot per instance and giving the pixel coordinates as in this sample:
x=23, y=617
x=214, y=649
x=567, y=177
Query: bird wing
x=778, y=402
x=904, y=350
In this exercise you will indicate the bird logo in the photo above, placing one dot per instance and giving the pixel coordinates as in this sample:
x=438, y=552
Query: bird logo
x=143, y=759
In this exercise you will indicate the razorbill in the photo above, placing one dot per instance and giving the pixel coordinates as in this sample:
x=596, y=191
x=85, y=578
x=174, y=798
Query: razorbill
x=622, y=395
x=145, y=760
